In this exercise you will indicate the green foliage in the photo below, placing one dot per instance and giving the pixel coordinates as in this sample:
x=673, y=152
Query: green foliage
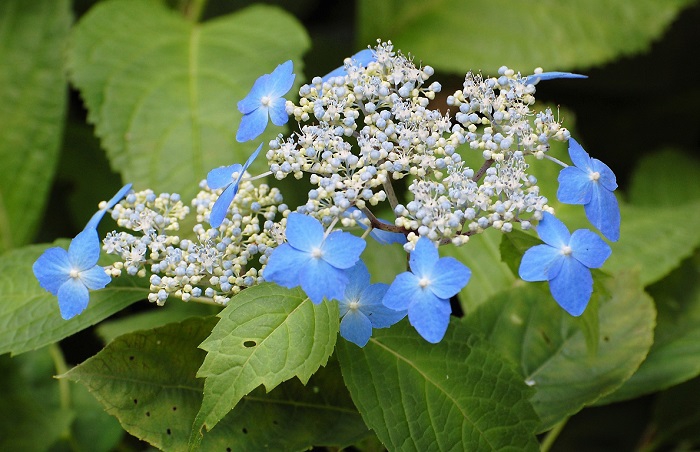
x=457, y=395
x=32, y=110
x=162, y=90
x=267, y=336
x=552, y=34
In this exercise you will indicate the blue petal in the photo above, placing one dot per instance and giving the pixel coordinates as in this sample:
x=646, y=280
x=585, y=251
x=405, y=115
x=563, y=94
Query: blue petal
x=52, y=269
x=604, y=213
x=371, y=305
x=572, y=287
x=84, y=250
x=283, y=266
x=361, y=58
x=423, y=257
x=303, y=232
x=589, y=249
x=579, y=156
x=97, y=217
x=95, y=278
x=449, y=276
x=221, y=205
x=607, y=177
x=342, y=249
x=356, y=328
x=250, y=160
x=281, y=80
x=539, y=262
x=73, y=298
x=319, y=280
x=252, y=101
x=430, y=316
x=401, y=291
x=252, y=125
x=278, y=112
x=575, y=186
x=221, y=177
x=552, y=231
x=536, y=78
x=358, y=277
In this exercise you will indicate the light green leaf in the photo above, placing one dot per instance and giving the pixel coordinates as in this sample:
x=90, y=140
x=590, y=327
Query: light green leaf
x=162, y=91
x=266, y=335
x=458, y=35
x=544, y=341
x=674, y=356
x=29, y=315
x=666, y=178
x=32, y=107
x=459, y=394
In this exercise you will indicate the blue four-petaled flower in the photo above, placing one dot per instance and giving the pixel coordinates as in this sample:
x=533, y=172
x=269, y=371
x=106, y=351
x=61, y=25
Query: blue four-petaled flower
x=265, y=101
x=564, y=260
x=228, y=178
x=361, y=307
x=313, y=260
x=591, y=183
x=426, y=290
x=69, y=274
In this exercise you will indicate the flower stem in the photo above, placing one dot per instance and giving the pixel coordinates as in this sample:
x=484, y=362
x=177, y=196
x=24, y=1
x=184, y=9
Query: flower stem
x=487, y=164
x=61, y=368
x=552, y=435
x=390, y=194
x=555, y=160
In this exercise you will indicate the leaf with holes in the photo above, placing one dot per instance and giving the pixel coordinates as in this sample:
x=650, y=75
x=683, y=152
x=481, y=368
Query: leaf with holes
x=459, y=394
x=266, y=335
x=162, y=91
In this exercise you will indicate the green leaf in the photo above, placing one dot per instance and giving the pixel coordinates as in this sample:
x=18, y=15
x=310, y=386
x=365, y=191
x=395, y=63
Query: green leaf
x=32, y=108
x=665, y=178
x=162, y=91
x=459, y=394
x=674, y=356
x=457, y=35
x=676, y=418
x=29, y=315
x=545, y=342
x=513, y=247
x=266, y=335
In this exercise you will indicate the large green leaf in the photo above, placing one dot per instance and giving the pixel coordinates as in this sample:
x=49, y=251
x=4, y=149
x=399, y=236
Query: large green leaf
x=459, y=35
x=162, y=91
x=29, y=315
x=459, y=394
x=551, y=350
x=676, y=419
x=266, y=335
x=665, y=178
x=32, y=107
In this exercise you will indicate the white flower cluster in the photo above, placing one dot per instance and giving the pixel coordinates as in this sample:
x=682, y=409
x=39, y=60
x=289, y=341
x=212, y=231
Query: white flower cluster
x=384, y=107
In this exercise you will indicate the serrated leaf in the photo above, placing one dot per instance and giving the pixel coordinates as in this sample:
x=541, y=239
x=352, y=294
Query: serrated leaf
x=162, y=91
x=266, y=335
x=674, y=356
x=551, y=351
x=32, y=108
x=29, y=315
x=522, y=35
x=459, y=394
x=665, y=178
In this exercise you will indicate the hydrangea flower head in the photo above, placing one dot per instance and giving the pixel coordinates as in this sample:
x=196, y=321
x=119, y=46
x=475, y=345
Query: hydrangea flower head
x=69, y=274
x=361, y=58
x=228, y=178
x=591, y=183
x=265, y=101
x=426, y=290
x=534, y=79
x=313, y=260
x=564, y=260
x=361, y=308
x=97, y=217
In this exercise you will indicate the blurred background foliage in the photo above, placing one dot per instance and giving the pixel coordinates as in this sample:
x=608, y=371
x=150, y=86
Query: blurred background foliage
x=638, y=111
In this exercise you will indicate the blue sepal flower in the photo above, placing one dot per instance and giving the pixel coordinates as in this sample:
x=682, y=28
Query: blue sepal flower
x=228, y=178
x=591, y=183
x=426, y=290
x=312, y=260
x=361, y=307
x=564, y=260
x=97, y=217
x=265, y=101
x=534, y=79
x=70, y=274
x=361, y=58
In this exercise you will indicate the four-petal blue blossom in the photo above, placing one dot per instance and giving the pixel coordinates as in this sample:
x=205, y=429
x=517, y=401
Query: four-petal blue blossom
x=312, y=260
x=591, y=183
x=534, y=79
x=361, y=309
x=426, y=290
x=228, y=178
x=361, y=58
x=265, y=101
x=564, y=260
x=69, y=274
